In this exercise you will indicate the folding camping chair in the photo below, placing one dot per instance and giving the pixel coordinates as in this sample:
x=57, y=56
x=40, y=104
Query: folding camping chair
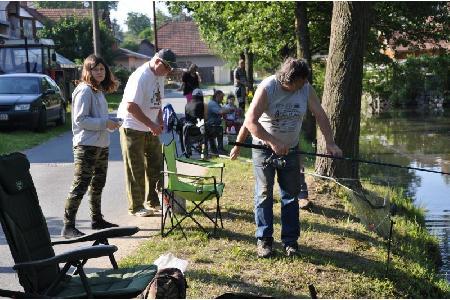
x=195, y=189
x=37, y=265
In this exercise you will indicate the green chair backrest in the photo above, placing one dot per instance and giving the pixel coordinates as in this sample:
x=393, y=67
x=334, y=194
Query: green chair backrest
x=23, y=222
x=170, y=155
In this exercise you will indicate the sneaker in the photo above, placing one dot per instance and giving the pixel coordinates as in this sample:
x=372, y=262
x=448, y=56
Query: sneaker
x=70, y=232
x=102, y=224
x=264, y=248
x=304, y=203
x=143, y=212
x=156, y=208
x=291, y=251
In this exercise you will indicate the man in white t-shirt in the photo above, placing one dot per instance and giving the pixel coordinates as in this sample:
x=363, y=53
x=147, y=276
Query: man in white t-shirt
x=141, y=112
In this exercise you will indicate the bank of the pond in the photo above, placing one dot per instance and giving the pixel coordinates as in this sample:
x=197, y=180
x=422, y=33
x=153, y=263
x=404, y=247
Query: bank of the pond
x=339, y=255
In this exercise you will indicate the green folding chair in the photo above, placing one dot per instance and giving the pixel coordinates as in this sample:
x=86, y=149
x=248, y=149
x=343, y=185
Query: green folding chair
x=37, y=265
x=197, y=190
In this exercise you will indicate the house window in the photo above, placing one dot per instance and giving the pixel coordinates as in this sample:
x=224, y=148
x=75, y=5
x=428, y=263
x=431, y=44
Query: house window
x=27, y=28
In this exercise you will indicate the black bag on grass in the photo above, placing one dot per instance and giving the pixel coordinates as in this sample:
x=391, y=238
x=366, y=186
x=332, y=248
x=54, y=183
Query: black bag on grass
x=168, y=283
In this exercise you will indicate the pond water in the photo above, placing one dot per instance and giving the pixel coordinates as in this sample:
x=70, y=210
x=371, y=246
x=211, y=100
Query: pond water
x=416, y=138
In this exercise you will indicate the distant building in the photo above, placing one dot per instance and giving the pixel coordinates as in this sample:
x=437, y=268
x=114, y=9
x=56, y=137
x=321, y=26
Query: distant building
x=146, y=48
x=129, y=60
x=16, y=22
x=184, y=39
x=401, y=52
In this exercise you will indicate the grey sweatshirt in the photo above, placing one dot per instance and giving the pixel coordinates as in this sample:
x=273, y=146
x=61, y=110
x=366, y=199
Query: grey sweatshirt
x=89, y=116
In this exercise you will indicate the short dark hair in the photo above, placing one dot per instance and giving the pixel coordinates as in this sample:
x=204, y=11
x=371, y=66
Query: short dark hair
x=216, y=94
x=291, y=70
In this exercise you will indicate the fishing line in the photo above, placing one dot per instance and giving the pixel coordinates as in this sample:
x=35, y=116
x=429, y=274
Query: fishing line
x=263, y=147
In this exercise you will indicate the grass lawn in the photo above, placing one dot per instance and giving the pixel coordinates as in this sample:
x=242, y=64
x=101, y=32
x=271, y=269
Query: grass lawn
x=114, y=100
x=339, y=255
x=12, y=140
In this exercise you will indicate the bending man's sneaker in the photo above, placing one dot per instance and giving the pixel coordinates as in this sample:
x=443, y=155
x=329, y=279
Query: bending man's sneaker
x=291, y=250
x=70, y=232
x=102, y=224
x=143, y=212
x=264, y=248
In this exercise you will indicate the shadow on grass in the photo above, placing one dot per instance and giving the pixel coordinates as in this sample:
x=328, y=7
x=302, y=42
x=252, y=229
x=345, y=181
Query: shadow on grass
x=332, y=213
x=236, y=283
x=341, y=232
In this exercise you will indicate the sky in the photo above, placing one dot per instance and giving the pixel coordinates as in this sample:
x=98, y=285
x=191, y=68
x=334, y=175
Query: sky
x=140, y=6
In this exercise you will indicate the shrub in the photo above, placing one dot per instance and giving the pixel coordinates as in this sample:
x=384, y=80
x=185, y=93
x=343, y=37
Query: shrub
x=402, y=83
x=122, y=75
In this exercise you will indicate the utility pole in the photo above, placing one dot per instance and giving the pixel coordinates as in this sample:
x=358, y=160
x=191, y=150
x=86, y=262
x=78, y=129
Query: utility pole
x=95, y=29
x=154, y=26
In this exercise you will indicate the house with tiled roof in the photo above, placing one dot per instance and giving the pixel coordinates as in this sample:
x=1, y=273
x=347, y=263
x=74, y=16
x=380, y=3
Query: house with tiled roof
x=184, y=39
x=55, y=14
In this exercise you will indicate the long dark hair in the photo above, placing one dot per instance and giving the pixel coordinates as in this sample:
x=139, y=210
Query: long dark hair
x=108, y=85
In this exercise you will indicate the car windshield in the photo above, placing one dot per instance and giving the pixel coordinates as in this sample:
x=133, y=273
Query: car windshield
x=19, y=85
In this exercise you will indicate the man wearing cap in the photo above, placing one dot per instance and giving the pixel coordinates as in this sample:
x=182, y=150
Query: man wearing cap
x=141, y=112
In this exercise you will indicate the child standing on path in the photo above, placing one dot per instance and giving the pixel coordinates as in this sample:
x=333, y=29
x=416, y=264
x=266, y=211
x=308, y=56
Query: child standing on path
x=90, y=124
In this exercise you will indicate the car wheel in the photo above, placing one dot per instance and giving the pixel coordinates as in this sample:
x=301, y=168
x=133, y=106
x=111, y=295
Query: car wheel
x=62, y=115
x=42, y=122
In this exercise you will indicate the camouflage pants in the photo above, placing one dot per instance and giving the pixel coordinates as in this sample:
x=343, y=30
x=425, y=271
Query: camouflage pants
x=142, y=157
x=91, y=165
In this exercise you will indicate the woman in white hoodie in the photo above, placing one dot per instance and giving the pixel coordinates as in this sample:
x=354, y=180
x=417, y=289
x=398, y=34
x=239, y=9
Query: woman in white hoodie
x=90, y=125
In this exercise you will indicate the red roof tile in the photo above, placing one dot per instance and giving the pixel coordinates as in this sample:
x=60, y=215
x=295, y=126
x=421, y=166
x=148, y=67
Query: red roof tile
x=56, y=14
x=183, y=38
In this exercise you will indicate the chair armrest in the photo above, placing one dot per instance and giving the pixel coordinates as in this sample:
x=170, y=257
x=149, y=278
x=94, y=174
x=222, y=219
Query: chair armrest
x=77, y=254
x=101, y=235
x=202, y=163
x=197, y=177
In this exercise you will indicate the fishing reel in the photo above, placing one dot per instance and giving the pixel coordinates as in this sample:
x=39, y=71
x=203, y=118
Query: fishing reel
x=274, y=161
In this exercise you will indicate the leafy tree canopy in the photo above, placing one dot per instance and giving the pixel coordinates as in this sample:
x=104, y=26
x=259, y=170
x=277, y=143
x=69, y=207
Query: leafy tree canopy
x=267, y=28
x=264, y=28
x=137, y=22
x=73, y=38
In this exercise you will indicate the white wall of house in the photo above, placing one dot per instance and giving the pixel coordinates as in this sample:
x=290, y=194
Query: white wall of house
x=202, y=61
x=3, y=5
x=222, y=74
x=129, y=63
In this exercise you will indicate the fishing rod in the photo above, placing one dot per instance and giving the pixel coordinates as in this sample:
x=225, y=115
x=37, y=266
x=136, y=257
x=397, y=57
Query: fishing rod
x=264, y=147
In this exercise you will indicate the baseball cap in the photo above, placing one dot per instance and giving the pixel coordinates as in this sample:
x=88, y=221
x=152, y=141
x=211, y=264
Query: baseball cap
x=197, y=92
x=168, y=57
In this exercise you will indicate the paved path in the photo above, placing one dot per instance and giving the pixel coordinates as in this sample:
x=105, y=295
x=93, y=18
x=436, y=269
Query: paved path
x=52, y=171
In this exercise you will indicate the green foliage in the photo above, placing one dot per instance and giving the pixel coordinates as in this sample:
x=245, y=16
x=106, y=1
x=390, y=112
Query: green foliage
x=267, y=28
x=147, y=33
x=73, y=38
x=264, y=28
x=137, y=22
x=402, y=83
x=122, y=75
x=319, y=77
x=130, y=43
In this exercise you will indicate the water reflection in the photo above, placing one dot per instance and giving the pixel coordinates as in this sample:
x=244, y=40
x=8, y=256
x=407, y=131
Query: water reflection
x=417, y=138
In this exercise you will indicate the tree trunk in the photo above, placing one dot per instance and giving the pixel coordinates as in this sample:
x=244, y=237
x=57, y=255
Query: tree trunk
x=343, y=85
x=249, y=68
x=304, y=51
